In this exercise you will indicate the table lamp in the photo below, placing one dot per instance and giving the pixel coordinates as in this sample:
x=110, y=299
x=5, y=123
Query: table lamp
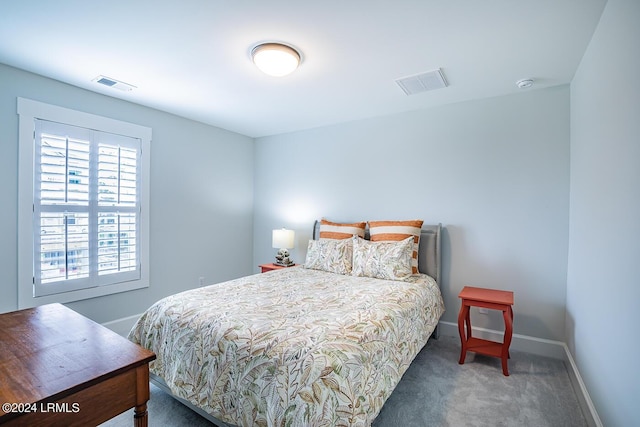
x=283, y=240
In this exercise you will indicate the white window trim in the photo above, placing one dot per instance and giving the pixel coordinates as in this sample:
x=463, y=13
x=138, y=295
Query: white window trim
x=29, y=110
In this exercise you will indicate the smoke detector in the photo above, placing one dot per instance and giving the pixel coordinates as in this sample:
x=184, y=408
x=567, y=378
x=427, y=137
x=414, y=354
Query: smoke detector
x=116, y=84
x=524, y=83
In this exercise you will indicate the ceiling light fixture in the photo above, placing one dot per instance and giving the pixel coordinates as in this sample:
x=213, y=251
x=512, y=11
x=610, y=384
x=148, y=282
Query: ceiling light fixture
x=275, y=59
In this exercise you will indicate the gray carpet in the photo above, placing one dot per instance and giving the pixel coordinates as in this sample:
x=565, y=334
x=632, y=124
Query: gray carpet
x=436, y=391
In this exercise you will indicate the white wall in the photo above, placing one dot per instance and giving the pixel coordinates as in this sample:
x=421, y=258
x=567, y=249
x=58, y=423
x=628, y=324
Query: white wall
x=201, y=196
x=495, y=172
x=603, y=288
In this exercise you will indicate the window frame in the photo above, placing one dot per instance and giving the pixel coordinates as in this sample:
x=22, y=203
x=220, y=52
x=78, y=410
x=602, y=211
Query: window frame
x=28, y=111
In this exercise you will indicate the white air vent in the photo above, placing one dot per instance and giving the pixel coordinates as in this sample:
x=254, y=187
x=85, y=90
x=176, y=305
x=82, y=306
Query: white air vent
x=422, y=82
x=116, y=84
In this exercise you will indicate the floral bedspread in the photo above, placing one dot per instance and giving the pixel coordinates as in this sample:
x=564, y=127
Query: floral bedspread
x=291, y=347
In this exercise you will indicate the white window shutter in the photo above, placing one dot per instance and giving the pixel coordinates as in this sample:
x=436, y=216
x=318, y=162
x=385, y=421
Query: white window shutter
x=86, y=208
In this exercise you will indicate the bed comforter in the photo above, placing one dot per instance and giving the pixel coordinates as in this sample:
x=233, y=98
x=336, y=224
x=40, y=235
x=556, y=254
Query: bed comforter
x=291, y=347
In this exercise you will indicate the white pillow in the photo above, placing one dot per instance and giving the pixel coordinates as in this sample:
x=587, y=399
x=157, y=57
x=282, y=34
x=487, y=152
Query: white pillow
x=334, y=256
x=382, y=260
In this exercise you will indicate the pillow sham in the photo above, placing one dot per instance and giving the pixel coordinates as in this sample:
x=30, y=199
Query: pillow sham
x=382, y=260
x=334, y=256
x=383, y=231
x=336, y=230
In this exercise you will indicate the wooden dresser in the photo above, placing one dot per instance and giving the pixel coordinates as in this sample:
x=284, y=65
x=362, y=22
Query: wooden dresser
x=59, y=368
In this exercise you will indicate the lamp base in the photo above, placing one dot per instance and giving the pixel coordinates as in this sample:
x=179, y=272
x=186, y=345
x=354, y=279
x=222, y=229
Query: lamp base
x=282, y=258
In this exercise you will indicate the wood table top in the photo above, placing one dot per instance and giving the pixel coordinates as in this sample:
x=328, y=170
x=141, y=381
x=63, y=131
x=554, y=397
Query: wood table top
x=486, y=295
x=51, y=351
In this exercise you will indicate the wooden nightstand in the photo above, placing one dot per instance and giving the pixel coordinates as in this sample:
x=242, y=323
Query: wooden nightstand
x=492, y=299
x=272, y=266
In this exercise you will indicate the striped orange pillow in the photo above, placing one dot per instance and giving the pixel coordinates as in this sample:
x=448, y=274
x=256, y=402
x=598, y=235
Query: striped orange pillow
x=338, y=231
x=381, y=231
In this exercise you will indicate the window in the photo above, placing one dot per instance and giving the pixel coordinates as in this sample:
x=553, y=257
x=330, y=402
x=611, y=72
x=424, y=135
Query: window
x=83, y=209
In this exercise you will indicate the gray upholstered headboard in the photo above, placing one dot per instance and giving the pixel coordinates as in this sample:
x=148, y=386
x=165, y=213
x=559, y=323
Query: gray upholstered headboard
x=428, y=253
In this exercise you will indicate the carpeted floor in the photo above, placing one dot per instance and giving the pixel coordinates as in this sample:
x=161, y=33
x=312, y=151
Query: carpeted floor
x=437, y=391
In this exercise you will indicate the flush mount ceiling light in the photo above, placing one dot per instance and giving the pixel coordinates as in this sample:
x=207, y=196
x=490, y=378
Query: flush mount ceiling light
x=275, y=59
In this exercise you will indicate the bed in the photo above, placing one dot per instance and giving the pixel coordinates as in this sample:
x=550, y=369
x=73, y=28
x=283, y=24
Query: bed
x=295, y=346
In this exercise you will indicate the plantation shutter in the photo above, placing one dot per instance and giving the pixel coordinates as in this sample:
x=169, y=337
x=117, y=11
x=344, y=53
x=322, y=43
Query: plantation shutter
x=86, y=208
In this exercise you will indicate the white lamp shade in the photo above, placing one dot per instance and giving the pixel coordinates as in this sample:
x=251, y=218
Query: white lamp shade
x=275, y=59
x=283, y=239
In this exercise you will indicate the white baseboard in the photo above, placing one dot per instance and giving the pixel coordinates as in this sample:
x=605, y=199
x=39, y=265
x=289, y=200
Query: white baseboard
x=588, y=408
x=540, y=347
x=527, y=344
x=122, y=326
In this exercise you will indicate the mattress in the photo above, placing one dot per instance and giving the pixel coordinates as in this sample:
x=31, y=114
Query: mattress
x=291, y=347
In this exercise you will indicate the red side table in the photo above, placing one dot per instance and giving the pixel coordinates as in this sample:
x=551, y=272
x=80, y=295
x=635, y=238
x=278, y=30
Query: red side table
x=270, y=267
x=492, y=299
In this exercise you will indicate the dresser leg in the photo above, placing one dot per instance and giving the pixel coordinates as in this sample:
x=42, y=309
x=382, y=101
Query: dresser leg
x=140, y=416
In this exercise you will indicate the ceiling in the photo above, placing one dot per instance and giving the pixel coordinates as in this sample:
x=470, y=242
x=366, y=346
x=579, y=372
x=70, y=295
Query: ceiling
x=192, y=57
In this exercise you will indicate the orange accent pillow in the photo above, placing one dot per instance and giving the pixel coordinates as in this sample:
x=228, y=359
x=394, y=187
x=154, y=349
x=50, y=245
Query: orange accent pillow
x=339, y=231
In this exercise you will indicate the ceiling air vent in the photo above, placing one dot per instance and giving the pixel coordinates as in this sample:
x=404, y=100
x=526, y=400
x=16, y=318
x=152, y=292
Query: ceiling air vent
x=422, y=82
x=116, y=84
